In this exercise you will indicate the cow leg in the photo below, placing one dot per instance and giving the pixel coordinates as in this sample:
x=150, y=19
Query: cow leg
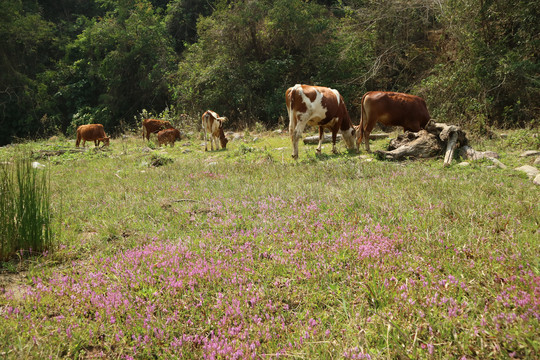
x=204, y=129
x=296, y=135
x=334, y=137
x=366, y=140
x=321, y=136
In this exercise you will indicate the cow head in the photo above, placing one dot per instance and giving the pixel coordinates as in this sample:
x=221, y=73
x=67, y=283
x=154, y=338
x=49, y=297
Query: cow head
x=349, y=136
x=105, y=141
x=222, y=139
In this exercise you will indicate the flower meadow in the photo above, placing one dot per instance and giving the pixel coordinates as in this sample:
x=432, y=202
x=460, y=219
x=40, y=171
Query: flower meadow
x=257, y=270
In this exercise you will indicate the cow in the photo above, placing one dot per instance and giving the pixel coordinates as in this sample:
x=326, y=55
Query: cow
x=152, y=126
x=318, y=106
x=391, y=109
x=212, y=123
x=91, y=132
x=168, y=136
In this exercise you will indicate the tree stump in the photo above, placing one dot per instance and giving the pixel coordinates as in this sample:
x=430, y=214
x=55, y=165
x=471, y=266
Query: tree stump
x=430, y=142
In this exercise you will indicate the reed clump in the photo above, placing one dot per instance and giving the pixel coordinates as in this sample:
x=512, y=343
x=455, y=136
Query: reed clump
x=25, y=208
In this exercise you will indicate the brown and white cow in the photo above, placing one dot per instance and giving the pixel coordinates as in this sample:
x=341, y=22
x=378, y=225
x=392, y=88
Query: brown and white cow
x=168, y=136
x=318, y=106
x=153, y=126
x=213, y=124
x=391, y=109
x=91, y=132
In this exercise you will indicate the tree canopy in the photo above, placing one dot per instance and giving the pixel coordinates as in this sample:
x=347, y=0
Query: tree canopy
x=65, y=63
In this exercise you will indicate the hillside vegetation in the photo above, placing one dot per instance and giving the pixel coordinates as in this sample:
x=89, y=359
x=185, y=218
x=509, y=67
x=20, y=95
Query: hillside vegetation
x=244, y=253
x=65, y=63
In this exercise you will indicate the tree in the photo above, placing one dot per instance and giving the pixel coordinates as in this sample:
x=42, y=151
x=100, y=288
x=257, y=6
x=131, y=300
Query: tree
x=121, y=62
x=25, y=41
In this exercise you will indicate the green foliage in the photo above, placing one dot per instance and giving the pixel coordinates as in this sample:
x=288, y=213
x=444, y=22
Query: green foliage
x=523, y=139
x=25, y=210
x=491, y=64
x=160, y=159
x=104, y=61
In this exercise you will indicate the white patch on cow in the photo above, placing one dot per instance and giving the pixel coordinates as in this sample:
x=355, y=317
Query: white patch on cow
x=337, y=95
x=350, y=139
x=315, y=110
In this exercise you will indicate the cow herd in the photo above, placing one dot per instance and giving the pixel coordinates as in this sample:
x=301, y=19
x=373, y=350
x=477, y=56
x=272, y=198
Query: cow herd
x=306, y=105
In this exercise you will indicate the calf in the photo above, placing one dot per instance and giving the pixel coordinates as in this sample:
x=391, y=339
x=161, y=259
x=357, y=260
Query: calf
x=168, y=136
x=319, y=106
x=91, y=132
x=153, y=126
x=391, y=109
x=213, y=124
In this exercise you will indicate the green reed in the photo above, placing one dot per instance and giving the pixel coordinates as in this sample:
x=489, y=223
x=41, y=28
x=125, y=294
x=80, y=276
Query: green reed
x=25, y=211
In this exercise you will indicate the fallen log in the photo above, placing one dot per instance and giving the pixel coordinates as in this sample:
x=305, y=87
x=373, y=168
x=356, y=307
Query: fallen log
x=426, y=143
x=328, y=138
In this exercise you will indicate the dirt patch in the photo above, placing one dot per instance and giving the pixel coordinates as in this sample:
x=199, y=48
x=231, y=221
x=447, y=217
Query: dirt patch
x=11, y=285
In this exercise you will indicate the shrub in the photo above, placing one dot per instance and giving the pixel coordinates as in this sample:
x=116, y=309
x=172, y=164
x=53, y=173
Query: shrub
x=25, y=212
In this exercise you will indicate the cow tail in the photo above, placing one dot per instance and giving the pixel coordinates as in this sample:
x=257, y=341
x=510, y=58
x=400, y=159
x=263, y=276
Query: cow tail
x=363, y=119
x=290, y=110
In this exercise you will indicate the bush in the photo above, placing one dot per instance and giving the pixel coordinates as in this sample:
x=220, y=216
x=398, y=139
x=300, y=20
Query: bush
x=25, y=212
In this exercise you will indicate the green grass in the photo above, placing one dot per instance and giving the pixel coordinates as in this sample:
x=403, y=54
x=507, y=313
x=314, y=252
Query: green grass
x=25, y=214
x=244, y=252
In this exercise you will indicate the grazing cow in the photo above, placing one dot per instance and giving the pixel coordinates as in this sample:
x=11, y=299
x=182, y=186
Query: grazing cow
x=213, y=124
x=168, y=136
x=153, y=126
x=391, y=109
x=91, y=132
x=318, y=106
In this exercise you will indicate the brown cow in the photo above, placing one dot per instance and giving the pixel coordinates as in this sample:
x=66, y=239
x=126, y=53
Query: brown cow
x=213, y=124
x=91, y=132
x=168, y=136
x=153, y=126
x=319, y=106
x=391, y=109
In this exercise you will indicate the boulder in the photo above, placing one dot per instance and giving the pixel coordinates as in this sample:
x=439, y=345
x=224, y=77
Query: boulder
x=530, y=153
x=531, y=171
x=467, y=152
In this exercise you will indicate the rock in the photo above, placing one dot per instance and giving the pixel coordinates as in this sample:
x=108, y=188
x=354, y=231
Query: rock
x=498, y=163
x=37, y=165
x=536, y=180
x=278, y=131
x=469, y=153
x=236, y=137
x=530, y=153
x=531, y=171
x=464, y=163
x=185, y=151
x=537, y=161
x=280, y=148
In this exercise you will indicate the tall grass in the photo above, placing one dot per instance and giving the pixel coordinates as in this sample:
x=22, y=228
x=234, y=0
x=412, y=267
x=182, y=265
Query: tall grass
x=25, y=212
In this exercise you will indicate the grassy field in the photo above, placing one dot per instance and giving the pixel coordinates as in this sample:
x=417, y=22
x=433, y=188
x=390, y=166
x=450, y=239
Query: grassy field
x=244, y=253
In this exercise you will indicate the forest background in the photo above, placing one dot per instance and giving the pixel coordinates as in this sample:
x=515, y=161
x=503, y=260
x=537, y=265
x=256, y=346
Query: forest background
x=68, y=62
